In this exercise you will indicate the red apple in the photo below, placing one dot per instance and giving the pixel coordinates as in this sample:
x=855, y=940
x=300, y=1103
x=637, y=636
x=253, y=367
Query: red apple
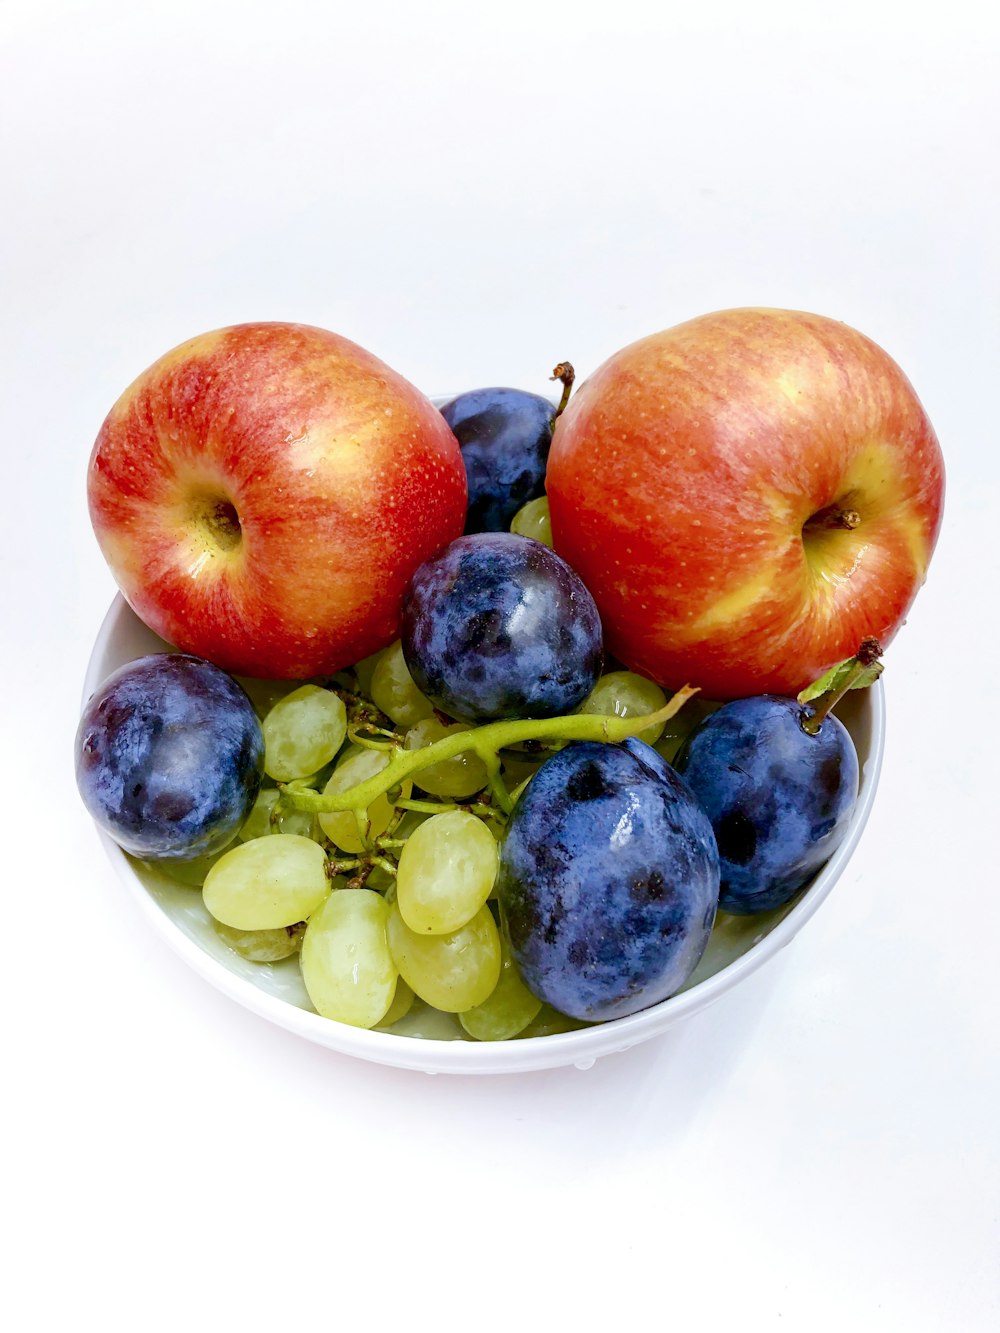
x=264, y=493
x=747, y=496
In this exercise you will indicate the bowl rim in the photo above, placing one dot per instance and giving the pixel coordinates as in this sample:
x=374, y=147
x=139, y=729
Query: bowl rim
x=580, y=1047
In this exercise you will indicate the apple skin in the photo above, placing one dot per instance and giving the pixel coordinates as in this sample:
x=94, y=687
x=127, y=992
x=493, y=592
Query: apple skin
x=264, y=493
x=682, y=479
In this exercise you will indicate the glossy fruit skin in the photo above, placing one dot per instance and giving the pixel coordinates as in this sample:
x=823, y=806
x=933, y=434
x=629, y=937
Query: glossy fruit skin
x=263, y=493
x=608, y=882
x=504, y=435
x=780, y=800
x=499, y=626
x=687, y=483
x=169, y=757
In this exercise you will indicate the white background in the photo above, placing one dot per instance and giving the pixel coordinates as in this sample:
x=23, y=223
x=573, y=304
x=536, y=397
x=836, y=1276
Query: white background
x=475, y=194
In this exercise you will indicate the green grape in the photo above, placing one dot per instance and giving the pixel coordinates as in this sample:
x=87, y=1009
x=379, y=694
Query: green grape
x=267, y=883
x=189, y=873
x=303, y=732
x=346, y=965
x=624, y=694
x=380, y=880
x=507, y=1010
x=532, y=520
x=394, y=691
x=364, y=670
x=446, y=872
x=451, y=972
x=549, y=1022
x=301, y=822
x=459, y=777
x=680, y=726
x=264, y=694
x=262, y=946
x=411, y=821
x=518, y=766
x=402, y=1003
x=260, y=821
x=340, y=826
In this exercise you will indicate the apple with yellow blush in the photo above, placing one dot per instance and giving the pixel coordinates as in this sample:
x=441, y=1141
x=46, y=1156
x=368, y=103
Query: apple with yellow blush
x=263, y=494
x=748, y=496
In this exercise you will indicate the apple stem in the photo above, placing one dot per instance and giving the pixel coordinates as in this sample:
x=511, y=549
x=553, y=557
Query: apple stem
x=831, y=518
x=869, y=651
x=487, y=741
x=564, y=372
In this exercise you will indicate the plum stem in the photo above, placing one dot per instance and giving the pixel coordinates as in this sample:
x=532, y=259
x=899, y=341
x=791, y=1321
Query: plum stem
x=869, y=651
x=564, y=372
x=487, y=741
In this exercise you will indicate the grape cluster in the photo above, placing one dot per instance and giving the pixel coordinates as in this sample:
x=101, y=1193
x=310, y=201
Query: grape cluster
x=382, y=906
x=403, y=899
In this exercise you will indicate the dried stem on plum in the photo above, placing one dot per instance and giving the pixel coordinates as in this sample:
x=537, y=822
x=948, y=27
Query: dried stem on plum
x=564, y=372
x=869, y=652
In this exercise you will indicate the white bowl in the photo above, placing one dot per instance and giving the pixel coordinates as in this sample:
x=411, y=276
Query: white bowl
x=435, y=1042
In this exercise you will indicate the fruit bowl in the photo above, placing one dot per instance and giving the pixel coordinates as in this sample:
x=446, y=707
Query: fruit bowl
x=434, y=1042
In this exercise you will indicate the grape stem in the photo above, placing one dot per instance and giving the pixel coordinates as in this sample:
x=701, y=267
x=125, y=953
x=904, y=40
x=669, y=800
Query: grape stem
x=486, y=742
x=442, y=807
x=367, y=742
x=497, y=786
x=341, y=865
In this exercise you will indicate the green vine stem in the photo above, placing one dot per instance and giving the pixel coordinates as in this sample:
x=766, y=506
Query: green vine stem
x=486, y=741
x=442, y=807
x=368, y=742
